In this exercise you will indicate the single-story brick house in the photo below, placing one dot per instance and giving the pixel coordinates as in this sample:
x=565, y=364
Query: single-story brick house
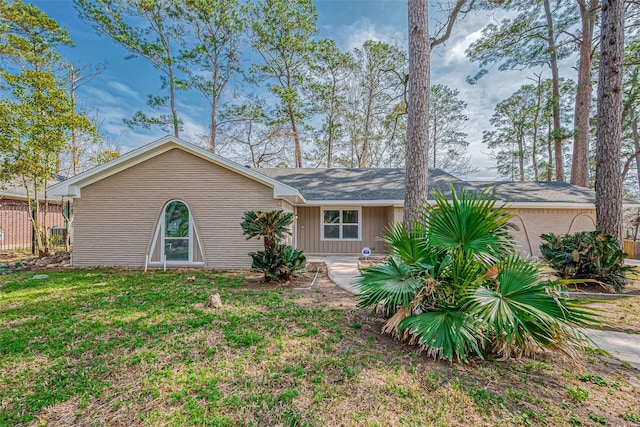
x=15, y=224
x=171, y=201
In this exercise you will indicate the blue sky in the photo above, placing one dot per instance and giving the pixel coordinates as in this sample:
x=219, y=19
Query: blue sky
x=122, y=88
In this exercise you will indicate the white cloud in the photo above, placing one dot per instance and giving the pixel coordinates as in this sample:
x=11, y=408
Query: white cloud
x=123, y=90
x=349, y=37
x=454, y=53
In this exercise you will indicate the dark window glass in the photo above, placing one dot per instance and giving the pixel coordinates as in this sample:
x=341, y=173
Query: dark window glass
x=331, y=231
x=349, y=231
x=331, y=217
x=349, y=217
x=176, y=249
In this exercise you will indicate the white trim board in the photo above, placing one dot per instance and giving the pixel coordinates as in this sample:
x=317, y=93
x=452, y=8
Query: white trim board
x=341, y=224
x=72, y=187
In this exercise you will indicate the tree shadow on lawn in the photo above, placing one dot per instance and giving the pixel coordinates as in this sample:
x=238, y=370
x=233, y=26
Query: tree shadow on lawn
x=143, y=349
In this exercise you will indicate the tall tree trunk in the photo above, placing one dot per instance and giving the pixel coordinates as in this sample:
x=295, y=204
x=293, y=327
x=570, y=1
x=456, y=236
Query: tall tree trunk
x=330, y=150
x=534, y=145
x=549, y=152
x=296, y=137
x=214, y=124
x=580, y=160
x=172, y=85
x=521, y=155
x=609, y=120
x=636, y=142
x=417, y=110
x=434, y=132
x=555, y=81
x=172, y=101
x=363, y=158
x=330, y=122
x=74, y=132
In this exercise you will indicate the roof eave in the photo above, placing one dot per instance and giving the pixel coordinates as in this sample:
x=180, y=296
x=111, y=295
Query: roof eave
x=539, y=205
x=73, y=186
x=350, y=202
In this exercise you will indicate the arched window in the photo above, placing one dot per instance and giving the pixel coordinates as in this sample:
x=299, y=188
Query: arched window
x=176, y=239
x=177, y=232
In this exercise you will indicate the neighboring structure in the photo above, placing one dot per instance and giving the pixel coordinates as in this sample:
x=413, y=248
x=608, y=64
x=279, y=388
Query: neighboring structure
x=175, y=203
x=16, y=230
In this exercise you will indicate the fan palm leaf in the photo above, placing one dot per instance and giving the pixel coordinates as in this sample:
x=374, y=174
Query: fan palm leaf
x=518, y=309
x=393, y=283
x=444, y=333
x=410, y=246
x=470, y=223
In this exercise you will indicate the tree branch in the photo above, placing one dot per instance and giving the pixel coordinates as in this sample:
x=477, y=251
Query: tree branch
x=457, y=9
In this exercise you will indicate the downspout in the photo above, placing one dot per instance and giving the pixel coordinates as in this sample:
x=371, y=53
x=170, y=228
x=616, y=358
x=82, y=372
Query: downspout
x=295, y=227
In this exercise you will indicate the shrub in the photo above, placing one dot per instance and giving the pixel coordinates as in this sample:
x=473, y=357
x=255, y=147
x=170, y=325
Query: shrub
x=271, y=226
x=276, y=261
x=588, y=255
x=453, y=286
x=282, y=262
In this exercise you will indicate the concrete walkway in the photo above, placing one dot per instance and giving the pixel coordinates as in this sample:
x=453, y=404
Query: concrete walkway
x=620, y=345
x=343, y=271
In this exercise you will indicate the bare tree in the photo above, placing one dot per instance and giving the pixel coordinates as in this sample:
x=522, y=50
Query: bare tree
x=79, y=76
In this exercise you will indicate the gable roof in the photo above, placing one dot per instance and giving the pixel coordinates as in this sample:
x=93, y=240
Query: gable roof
x=344, y=185
x=371, y=186
x=72, y=187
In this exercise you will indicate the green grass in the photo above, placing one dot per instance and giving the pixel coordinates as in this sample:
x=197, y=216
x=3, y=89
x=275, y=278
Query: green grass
x=91, y=347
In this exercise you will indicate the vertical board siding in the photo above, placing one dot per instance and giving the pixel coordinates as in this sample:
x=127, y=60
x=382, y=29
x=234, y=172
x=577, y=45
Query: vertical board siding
x=115, y=219
x=531, y=223
x=374, y=220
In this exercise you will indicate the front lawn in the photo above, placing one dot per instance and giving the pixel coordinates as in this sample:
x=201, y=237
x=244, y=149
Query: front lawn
x=110, y=347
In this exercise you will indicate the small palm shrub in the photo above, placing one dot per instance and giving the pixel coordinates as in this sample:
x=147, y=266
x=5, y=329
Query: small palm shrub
x=586, y=255
x=277, y=261
x=271, y=226
x=453, y=285
x=282, y=262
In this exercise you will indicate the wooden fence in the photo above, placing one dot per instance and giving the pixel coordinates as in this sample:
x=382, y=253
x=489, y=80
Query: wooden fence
x=631, y=248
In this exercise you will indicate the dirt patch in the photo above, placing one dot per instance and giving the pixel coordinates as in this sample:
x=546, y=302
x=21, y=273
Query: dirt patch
x=548, y=377
x=13, y=256
x=312, y=289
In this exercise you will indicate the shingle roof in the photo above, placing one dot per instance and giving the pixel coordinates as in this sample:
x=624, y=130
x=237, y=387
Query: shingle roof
x=14, y=189
x=539, y=191
x=356, y=184
x=388, y=185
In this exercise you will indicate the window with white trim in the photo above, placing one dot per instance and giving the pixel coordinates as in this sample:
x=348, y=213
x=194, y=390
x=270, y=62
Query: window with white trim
x=176, y=239
x=177, y=232
x=341, y=224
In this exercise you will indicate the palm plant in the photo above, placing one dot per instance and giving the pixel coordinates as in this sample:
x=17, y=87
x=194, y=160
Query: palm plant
x=453, y=286
x=277, y=261
x=272, y=226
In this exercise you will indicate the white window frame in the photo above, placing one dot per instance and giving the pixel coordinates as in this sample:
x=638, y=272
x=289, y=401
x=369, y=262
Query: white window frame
x=160, y=232
x=340, y=209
